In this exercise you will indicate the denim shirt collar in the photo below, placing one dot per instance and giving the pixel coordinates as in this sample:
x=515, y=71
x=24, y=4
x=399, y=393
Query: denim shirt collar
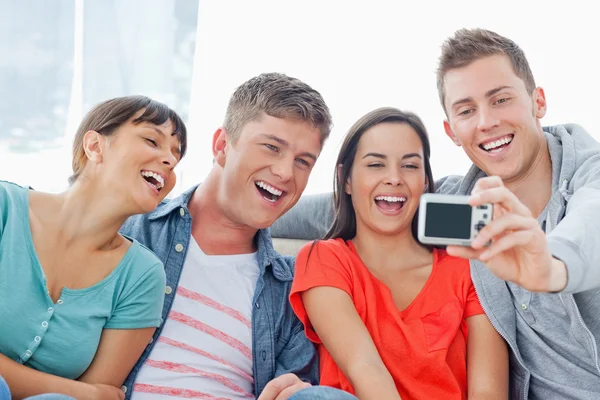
x=267, y=256
x=168, y=206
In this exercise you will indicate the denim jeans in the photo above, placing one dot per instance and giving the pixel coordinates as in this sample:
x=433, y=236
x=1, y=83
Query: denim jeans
x=321, y=393
x=5, y=394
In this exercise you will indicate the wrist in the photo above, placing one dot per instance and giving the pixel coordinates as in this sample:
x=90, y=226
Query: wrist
x=558, y=276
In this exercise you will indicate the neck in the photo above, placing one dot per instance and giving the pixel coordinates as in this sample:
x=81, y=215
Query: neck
x=88, y=216
x=212, y=228
x=534, y=188
x=389, y=251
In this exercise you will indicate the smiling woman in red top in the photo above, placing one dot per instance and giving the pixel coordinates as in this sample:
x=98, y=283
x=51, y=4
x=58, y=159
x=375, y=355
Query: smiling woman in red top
x=393, y=318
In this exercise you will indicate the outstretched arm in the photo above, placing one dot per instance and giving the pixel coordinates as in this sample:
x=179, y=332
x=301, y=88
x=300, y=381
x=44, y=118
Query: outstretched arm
x=309, y=219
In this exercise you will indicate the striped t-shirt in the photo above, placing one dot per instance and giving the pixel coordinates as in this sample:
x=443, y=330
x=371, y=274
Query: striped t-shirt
x=205, y=348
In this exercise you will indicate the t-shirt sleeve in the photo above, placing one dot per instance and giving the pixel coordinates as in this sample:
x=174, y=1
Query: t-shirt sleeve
x=3, y=207
x=318, y=264
x=8, y=194
x=141, y=304
x=472, y=306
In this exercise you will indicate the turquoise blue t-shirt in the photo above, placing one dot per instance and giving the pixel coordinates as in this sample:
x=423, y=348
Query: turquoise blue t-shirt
x=62, y=338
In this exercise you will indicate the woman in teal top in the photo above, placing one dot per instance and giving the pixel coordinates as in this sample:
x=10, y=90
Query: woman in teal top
x=79, y=302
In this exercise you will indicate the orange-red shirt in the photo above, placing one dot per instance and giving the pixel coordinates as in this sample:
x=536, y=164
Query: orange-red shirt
x=424, y=347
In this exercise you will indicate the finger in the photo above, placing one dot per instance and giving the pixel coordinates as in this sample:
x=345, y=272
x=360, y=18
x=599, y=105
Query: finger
x=487, y=183
x=500, y=196
x=287, y=392
x=464, y=252
x=501, y=226
x=505, y=243
x=277, y=385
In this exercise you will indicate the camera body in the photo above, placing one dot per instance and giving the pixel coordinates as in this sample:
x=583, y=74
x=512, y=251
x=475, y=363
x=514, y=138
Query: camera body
x=451, y=220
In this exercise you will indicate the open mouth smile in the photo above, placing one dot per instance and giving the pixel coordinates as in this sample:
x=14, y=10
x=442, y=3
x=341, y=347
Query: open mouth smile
x=269, y=192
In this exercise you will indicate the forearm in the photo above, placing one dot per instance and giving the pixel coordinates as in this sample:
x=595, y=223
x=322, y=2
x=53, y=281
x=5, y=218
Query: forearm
x=372, y=381
x=24, y=381
x=574, y=241
x=487, y=361
x=482, y=395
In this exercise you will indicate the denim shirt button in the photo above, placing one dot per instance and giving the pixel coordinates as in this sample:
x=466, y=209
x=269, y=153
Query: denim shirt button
x=257, y=305
x=264, y=355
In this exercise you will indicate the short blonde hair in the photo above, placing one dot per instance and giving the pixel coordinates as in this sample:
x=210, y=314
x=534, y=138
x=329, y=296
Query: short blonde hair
x=280, y=96
x=469, y=45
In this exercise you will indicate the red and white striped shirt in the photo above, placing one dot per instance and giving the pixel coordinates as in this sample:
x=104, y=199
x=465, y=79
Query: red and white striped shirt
x=205, y=348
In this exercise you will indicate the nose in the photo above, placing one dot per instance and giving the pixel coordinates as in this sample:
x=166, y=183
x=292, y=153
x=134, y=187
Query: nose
x=283, y=168
x=487, y=120
x=170, y=159
x=394, y=177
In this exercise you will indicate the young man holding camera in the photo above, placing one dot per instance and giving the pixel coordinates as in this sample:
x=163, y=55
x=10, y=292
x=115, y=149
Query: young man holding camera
x=538, y=281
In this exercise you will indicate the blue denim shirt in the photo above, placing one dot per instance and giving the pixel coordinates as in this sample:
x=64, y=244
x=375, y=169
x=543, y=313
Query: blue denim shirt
x=279, y=344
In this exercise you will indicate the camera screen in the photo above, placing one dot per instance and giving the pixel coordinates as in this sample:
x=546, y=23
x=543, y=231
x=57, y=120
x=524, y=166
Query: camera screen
x=448, y=220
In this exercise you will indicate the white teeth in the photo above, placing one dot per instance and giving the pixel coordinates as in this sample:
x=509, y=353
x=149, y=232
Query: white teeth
x=497, y=143
x=159, y=179
x=269, y=188
x=390, y=199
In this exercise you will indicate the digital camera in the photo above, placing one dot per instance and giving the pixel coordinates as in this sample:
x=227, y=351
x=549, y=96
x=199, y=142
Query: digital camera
x=451, y=220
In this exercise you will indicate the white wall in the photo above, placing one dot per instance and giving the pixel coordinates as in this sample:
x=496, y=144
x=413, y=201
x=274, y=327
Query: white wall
x=361, y=55
x=367, y=54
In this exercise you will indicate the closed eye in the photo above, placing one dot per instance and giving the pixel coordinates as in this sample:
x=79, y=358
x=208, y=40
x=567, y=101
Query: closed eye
x=411, y=166
x=271, y=147
x=375, y=165
x=303, y=162
x=152, y=142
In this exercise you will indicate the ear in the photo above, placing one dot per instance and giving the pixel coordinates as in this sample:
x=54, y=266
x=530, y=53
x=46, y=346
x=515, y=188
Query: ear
x=93, y=144
x=347, y=184
x=539, y=98
x=450, y=134
x=426, y=186
x=219, y=146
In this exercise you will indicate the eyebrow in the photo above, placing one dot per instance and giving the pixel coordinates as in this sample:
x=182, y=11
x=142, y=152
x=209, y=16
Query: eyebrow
x=177, y=149
x=286, y=144
x=488, y=94
x=383, y=156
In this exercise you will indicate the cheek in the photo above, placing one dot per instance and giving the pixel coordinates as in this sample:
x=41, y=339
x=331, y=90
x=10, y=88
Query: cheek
x=463, y=132
x=362, y=189
x=416, y=181
x=301, y=179
x=172, y=180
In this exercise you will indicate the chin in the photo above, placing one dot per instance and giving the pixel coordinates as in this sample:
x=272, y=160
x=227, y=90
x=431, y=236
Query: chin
x=261, y=224
x=503, y=173
x=146, y=207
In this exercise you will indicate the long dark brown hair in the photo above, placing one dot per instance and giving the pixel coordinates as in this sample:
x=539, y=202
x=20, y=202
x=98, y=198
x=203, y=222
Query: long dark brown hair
x=344, y=223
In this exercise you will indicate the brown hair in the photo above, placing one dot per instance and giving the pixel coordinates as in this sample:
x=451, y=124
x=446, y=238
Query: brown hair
x=468, y=45
x=280, y=96
x=106, y=117
x=344, y=223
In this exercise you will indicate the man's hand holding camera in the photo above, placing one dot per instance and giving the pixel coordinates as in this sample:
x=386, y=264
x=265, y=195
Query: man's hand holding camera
x=517, y=250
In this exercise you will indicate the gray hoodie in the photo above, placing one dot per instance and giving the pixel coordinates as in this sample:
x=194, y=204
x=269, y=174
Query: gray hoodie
x=572, y=227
